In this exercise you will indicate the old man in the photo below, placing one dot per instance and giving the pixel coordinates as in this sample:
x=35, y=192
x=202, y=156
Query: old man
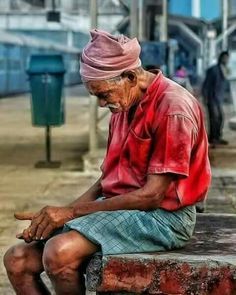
x=155, y=170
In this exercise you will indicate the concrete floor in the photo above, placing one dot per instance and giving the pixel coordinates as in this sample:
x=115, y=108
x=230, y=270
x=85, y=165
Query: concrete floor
x=22, y=187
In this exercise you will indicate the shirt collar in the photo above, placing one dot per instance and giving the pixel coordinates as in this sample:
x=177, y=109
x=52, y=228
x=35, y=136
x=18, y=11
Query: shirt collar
x=154, y=85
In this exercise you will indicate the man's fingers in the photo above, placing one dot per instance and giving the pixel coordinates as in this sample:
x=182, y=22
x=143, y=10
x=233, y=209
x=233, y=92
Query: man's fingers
x=48, y=230
x=20, y=236
x=42, y=226
x=34, y=224
x=37, y=214
x=26, y=236
x=24, y=215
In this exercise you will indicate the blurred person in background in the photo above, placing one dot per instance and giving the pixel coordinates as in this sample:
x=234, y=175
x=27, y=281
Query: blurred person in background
x=213, y=92
x=181, y=72
x=181, y=77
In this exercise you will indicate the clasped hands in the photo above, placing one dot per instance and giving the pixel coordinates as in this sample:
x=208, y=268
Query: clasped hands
x=44, y=222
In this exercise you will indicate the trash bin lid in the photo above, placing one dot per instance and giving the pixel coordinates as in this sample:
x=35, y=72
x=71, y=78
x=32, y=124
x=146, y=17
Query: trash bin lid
x=46, y=63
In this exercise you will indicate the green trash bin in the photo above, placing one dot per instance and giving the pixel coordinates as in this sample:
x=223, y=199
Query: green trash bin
x=46, y=76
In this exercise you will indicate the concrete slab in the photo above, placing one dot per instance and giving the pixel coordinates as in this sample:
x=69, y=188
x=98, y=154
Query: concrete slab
x=206, y=266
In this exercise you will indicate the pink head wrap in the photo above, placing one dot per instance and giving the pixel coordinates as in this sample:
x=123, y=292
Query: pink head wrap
x=107, y=56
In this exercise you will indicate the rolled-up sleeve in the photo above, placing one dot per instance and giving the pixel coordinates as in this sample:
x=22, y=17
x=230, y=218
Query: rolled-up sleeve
x=174, y=139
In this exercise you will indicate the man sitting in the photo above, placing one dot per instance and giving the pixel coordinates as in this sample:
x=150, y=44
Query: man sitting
x=155, y=170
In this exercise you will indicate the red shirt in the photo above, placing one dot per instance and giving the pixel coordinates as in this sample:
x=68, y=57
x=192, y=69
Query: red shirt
x=166, y=135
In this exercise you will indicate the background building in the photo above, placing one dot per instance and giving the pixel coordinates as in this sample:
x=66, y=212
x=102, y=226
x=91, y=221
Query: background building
x=193, y=36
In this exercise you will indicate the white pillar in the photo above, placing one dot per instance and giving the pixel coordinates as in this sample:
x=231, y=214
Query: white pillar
x=48, y=4
x=93, y=14
x=212, y=44
x=93, y=121
x=93, y=110
x=225, y=12
x=173, y=47
x=141, y=20
x=196, y=8
x=134, y=19
x=212, y=52
x=200, y=69
x=70, y=41
x=67, y=5
x=164, y=22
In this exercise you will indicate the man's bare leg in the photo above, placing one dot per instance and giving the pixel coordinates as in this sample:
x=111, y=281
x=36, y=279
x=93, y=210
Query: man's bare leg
x=63, y=257
x=23, y=263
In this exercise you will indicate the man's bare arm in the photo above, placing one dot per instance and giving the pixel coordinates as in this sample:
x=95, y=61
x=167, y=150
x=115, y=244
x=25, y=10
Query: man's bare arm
x=51, y=218
x=145, y=198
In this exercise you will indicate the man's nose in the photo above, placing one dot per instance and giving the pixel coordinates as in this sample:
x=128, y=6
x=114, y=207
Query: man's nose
x=102, y=102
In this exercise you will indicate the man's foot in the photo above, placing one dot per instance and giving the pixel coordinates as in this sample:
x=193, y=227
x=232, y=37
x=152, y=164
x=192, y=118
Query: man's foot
x=213, y=143
x=222, y=142
x=200, y=207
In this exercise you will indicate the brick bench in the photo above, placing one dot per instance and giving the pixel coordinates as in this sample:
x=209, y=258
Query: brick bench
x=206, y=266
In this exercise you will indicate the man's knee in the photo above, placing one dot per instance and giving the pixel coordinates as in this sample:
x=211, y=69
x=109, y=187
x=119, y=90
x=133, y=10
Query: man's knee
x=58, y=257
x=15, y=259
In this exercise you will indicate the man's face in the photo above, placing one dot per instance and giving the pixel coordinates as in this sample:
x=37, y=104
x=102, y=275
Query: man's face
x=225, y=59
x=117, y=95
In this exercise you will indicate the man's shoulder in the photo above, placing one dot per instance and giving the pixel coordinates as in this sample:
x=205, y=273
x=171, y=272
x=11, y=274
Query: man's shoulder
x=213, y=69
x=176, y=95
x=176, y=100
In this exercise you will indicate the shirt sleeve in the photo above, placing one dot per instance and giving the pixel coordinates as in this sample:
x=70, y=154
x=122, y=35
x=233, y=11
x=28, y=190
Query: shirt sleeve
x=173, y=142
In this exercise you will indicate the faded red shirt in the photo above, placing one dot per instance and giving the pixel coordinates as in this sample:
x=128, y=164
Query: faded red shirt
x=166, y=135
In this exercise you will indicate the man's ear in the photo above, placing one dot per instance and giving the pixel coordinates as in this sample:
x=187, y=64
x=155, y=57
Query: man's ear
x=130, y=76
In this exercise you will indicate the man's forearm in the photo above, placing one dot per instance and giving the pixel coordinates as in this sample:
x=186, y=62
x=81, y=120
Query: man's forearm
x=146, y=198
x=90, y=195
x=130, y=201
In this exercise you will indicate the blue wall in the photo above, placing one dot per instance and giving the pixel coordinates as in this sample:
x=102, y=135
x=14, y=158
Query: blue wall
x=180, y=7
x=210, y=9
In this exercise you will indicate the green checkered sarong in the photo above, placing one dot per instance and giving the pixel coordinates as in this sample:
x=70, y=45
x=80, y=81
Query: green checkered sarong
x=135, y=231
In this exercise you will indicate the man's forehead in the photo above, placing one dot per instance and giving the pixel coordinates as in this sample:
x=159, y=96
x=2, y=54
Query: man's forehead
x=99, y=93
x=99, y=87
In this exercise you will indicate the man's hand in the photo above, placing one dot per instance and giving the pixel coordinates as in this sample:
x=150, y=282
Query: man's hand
x=25, y=236
x=44, y=222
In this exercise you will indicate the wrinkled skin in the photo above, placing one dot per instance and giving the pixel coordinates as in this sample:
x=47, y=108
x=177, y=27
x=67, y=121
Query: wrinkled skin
x=122, y=92
x=44, y=222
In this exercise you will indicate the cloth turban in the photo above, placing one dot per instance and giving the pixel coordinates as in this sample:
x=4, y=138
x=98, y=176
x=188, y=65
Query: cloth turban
x=107, y=56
